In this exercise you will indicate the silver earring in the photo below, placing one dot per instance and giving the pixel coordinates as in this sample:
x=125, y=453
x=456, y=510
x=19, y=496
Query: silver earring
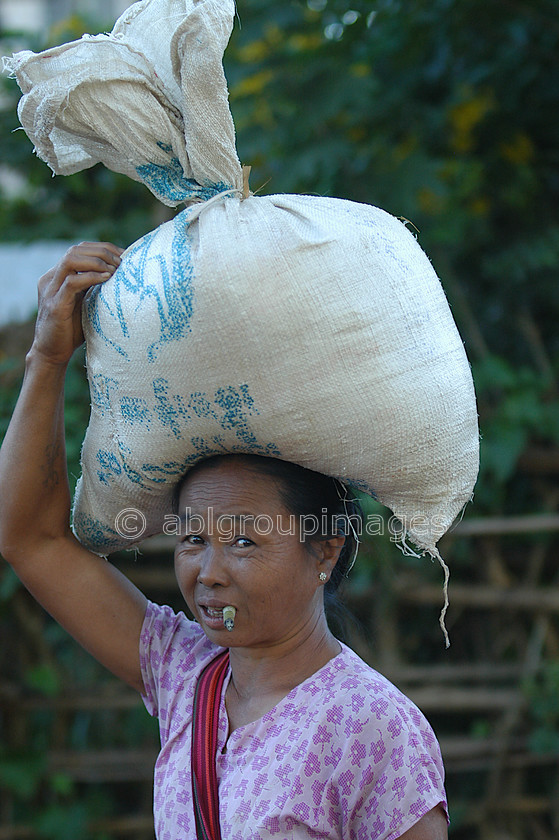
x=323, y=576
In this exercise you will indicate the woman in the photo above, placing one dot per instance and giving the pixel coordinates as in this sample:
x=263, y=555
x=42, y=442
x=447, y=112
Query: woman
x=311, y=741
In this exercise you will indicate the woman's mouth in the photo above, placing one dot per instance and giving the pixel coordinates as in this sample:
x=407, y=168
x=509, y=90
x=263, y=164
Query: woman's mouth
x=212, y=616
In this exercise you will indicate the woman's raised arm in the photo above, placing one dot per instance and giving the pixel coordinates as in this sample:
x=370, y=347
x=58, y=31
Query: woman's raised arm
x=85, y=593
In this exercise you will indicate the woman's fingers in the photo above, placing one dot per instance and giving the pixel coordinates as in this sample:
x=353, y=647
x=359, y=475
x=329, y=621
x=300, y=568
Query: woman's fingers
x=61, y=290
x=88, y=260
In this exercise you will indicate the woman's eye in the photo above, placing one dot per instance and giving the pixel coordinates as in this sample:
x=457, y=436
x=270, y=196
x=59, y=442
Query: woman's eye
x=243, y=542
x=193, y=539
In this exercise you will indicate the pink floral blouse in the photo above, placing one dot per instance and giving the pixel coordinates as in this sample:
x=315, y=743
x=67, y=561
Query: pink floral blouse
x=344, y=755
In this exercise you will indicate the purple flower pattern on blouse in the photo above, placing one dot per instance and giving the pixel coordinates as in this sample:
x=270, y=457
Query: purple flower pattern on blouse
x=344, y=755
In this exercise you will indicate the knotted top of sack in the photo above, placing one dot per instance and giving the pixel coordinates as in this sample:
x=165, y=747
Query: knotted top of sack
x=149, y=100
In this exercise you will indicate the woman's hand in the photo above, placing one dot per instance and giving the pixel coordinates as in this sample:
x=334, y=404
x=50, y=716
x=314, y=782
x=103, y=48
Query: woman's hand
x=58, y=331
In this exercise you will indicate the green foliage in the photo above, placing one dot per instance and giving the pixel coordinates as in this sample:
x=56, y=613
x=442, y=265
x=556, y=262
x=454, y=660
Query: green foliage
x=543, y=696
x=519, y=407
x=21, y=774
x=44, y=679
x=63, y=821
x=9, y=583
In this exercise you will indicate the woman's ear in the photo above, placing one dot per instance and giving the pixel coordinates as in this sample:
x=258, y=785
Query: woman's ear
x=328, y=552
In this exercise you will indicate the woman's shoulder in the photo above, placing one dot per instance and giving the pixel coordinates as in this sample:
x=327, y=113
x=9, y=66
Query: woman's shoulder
x=350, y=671
x=170, y=637
x=352, y=728
x=350, y=684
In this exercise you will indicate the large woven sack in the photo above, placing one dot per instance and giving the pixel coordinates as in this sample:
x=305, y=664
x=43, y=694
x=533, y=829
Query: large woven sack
x=310, y=329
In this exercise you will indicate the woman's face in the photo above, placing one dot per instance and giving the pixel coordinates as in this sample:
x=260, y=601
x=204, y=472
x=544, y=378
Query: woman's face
x=241, y=547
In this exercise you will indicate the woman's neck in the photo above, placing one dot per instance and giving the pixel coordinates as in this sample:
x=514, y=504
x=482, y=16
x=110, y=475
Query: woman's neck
x=261, y=677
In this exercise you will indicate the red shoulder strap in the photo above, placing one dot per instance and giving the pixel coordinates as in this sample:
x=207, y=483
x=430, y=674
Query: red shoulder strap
x=205, y=719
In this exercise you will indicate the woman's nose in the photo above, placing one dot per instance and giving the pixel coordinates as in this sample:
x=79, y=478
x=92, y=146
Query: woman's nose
x=213, y=571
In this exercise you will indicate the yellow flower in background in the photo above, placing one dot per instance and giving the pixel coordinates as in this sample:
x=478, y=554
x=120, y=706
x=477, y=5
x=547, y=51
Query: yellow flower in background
x=274, y=35
x=360, y=69
x=252, y=84
x=430, y=202
x=465, y=118
x=479, y=206
x=405, y=148
x=305, y=43
x=67, y=28
x=519, y=150
x=255, y=51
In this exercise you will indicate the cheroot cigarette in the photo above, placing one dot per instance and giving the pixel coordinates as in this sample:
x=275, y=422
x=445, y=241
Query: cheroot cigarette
x=229, y=617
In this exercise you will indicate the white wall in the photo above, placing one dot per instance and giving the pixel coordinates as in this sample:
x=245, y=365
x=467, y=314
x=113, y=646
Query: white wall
x=29, y=15
x=38, y=15
x=20, y=269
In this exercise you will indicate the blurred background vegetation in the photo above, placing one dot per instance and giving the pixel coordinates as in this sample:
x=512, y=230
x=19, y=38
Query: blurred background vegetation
x=444, y=113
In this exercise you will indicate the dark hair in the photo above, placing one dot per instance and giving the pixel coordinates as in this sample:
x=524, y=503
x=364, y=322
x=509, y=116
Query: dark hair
x=305, y=493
